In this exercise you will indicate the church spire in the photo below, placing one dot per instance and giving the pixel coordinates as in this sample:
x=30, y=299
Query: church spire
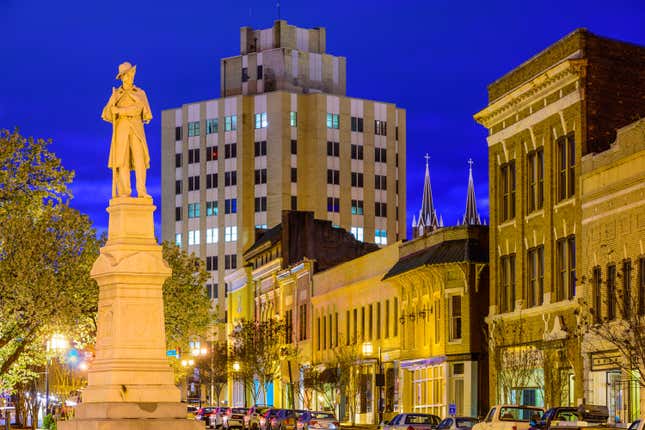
x=471, y=217
x=427, y=220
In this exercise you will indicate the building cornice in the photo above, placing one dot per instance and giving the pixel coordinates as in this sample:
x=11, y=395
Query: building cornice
x=525, y=94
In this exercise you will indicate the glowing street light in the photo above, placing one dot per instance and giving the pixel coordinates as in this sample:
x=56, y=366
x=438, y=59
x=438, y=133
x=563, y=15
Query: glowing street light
x=55, y=344
x=236, y=367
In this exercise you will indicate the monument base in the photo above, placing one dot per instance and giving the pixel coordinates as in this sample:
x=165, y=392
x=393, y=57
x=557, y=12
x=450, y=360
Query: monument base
x=130, y=416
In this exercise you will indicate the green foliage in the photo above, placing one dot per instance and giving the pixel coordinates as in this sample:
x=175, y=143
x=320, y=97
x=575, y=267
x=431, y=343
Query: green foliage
x=186, y=305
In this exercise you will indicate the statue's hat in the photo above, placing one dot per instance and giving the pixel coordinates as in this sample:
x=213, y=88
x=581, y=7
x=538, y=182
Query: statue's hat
x=124, y=68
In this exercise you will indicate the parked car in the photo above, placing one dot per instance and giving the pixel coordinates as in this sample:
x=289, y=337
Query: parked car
x=203, y=414
x=637, y=425
x=555, y=415
x=457, y=423
x=285, y=419
x=413, y=421
x=584, y=416
x=509, y=417
x=216, y=420
x=316, y=420
x=252, y=417
x=234, y=418
x=265, y=419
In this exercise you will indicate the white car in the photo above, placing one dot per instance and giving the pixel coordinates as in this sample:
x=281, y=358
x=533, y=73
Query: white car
x=412, y=421
x=509, y=417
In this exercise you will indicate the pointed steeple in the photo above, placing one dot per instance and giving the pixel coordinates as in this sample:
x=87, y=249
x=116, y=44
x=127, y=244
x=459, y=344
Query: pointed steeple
x=471, y=217
x=427, y=220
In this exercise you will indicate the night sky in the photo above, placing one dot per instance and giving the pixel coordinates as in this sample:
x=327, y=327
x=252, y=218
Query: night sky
x=433, y=58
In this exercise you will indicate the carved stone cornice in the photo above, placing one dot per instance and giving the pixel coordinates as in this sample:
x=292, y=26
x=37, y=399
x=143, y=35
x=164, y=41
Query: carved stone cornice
x=525, y=94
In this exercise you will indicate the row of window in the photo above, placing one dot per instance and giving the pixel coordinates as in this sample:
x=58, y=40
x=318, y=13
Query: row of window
x=564, y=274
x=626, y=301
x=230, y=206
x=212, y=235
x=212, y=126
x=371, y=322
x=565, y=178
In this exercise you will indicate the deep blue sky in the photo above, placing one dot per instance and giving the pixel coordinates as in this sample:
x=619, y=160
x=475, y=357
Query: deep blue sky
x=433, y=57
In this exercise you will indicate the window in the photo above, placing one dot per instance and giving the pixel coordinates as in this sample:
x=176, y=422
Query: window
x=260, y=148
x=380, y=209
x=193, y=129
x=611, y=292
x=333, y=120
x=178, y=133
x=211, y=153
x=597, y=294
x=395, y=321
x=211, y=290
x=565, y=268
x=535, y=285
x=627, y=288
x=230, y=234
x=357, y=124
x=193, y=156
x=178, y=213
x=230, y=150
x=357, y=232
x=293, y=119
x=318, y=333
x=357, y=179
x=178, y=160
x=294, y=146
x=357, y=152
x=333, y=204
x=437, y=321
x=378, y=320
x=193, y=183
x=212, y=126
x=380, y=237
x=294, y=174
x=230, y=178
x=230, y=206
x=302, y=322
x=455, y=317
x=357, y=207
x=193, y=210
x=380, y=155
x=380, y=182
x=178, y=239
x=641, y=285
x=333, y=177
x=386, y=328
x=211, y=235
x=261, y=120
x=506, y=295
x=260, y=72
x=333, y=149
x=380, y=127
x=230, y=123
x=260, y=176
x=230, y=262
x=294, y=203
x=507, y=209
x=324, y=332
x=211, y=180
x=178, y=186
x=566, y=159
x=370, y=321
x=363, y=322
x=260, y=204
x=288, y=326
x=193, y=237
x=245, y=74
x=396, y=133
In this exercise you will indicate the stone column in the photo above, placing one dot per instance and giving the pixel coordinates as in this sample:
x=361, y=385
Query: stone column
x=130, y=383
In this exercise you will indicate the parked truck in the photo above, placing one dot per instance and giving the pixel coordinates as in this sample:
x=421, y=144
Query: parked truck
x=510, y=417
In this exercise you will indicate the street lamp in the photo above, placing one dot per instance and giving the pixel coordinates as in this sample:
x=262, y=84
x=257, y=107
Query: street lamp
x=55, y=344
x=199, y=351
x=368, y=350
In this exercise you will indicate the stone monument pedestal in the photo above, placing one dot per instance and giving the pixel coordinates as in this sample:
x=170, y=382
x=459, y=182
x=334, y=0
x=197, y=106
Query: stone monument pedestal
x=130, y=383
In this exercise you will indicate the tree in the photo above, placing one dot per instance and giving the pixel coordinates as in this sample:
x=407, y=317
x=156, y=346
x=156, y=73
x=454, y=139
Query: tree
x=257, y=346
x=347, y=362
x=214, y=369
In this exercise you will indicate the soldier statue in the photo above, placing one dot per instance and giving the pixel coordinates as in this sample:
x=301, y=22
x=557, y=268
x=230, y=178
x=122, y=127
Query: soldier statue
x=128, y=110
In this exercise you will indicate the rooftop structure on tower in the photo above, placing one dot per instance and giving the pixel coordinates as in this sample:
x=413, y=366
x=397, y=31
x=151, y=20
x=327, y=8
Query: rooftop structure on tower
x=427, y=221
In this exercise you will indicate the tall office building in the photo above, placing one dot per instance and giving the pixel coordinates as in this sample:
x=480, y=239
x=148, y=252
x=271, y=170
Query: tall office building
x=283, y=136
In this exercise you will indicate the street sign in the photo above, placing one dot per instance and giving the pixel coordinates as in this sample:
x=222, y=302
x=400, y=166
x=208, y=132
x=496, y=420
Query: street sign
x=172, y=353
x=452, y=409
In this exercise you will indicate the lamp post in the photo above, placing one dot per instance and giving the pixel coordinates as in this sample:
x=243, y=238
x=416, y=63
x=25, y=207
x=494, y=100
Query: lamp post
x=56, y=343
x=379, y=379
x=187, y=363
x=199, y=351
x=236, y=369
